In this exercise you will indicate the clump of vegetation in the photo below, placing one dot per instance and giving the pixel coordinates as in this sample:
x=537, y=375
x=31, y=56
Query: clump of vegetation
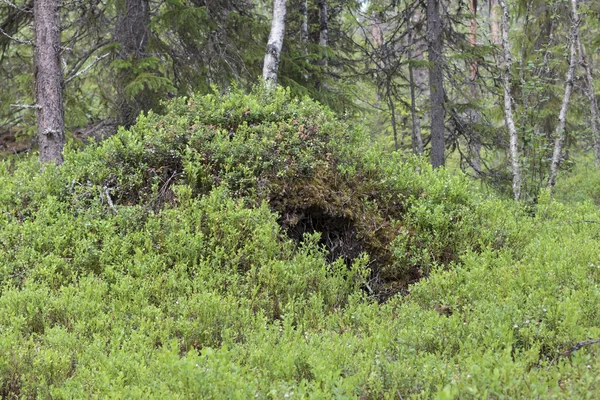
x=240, y=246
x=316, y=172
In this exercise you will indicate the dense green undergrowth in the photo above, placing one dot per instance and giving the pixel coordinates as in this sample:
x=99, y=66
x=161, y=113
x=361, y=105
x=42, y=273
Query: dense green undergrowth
x=253, y=246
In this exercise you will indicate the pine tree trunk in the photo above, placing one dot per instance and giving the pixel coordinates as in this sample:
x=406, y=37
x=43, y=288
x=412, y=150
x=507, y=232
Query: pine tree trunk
x=508, y=103
x=562, y=116
x=495, y=22
x=48, y=80
x=589, y=89
x=436, y=82
x=132, y=34
x=273, y=53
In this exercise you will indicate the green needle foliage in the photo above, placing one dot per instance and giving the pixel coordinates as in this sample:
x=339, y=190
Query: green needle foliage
x=177, y=260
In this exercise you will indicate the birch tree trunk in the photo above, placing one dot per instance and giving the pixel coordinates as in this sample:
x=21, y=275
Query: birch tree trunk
x=416, y=139
x=589, y=89
x=48, y=80
x=508, y=102
x=436, y=82
x=275, y=43
x=304, y=23
x=475, y=140
x=562, y=116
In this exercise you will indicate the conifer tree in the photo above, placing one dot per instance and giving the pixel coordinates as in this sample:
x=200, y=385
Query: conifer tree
x=48, y=80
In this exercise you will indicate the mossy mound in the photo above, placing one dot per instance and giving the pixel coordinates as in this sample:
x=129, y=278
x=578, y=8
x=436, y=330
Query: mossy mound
x=318, y=173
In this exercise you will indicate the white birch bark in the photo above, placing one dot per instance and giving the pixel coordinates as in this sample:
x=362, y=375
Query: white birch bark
x=417, y=139
x=304, y=24
x=475, y=140
x=508, y=102
x=273, y=53
x=589, y=89
x=562, y=116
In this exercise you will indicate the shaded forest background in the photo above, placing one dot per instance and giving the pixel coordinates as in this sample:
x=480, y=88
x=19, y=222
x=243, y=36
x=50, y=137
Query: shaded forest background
x=371, y=62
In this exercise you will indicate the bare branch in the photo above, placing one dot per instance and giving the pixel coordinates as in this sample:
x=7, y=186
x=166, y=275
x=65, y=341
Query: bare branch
x=25, y=106
x=16, y=6
x=21, y=41
x=86, y=69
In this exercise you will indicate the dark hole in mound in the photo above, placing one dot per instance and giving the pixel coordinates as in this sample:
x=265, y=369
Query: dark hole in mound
x=338, y=233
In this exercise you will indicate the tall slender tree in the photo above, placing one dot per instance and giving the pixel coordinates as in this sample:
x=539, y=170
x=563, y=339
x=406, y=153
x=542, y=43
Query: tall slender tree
x=436, y=82
x=508, y=101
x=417, y=139
x=275, y=43
x=589, y=90
x=562, y=116
x=475, y=140
x=48, y=80
x=323, y=27
x=132, y=34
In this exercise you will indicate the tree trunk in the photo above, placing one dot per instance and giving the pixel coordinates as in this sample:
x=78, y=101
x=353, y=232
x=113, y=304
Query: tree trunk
x=436, y=82
x=416, y=138
x=132, y=34
x=495, y=22
x=273, y=53
x=473, y=37
x=595, y=115
x=323, y=24
x=475, y=140
x=323, y=28
x=48, y=80
x=304, y=23
x=508, y=106
x=562, y=116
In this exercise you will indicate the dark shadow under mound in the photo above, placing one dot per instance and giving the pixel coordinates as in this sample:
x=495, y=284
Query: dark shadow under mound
x=349, y=217
x=338, y=234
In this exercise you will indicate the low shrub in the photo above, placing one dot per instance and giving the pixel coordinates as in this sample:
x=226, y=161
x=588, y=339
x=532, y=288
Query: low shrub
x=240, y=246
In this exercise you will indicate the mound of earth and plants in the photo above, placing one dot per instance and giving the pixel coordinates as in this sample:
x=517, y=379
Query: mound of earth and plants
x=255, y=246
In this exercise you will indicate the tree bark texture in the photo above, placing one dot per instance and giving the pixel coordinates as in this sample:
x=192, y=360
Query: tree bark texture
x=304, y=23
x=48, y=80
x=475, y=139
x=436, y=82
x=508, y=103
x=562, y=116
x=275, y=43
x=323, y=28
x=132, y=34
x=323, y=23
x=594, y=114
x=131, y=30
x=495, y=12
x=416, y=138
x=473, y=37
